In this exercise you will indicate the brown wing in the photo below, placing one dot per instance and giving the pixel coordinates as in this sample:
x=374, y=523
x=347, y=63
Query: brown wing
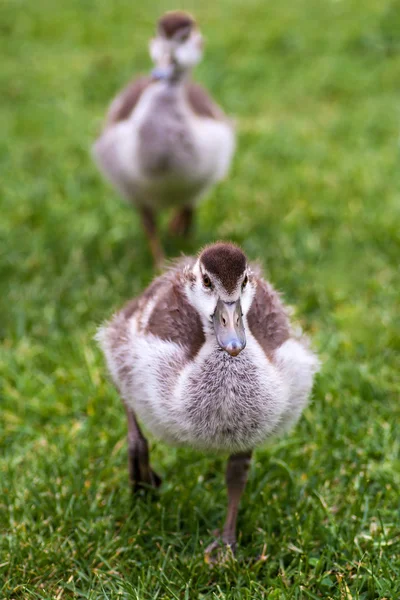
x=123, y=104
x=139, y=303
x=201, y=103
x=267, y=318
x=174, y=319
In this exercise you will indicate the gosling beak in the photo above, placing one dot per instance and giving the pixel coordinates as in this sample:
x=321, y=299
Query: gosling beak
x=164, y=70
x=228, y=327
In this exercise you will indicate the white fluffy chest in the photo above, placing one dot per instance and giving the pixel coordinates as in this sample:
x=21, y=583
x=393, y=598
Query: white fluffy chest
x=173, y=141
x=214, y=402
x=232, y=403
x=164, y=151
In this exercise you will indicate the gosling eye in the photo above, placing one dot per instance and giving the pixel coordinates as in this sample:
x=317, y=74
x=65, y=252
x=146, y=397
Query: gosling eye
x=245, y=280
x=207, y=281
x=183, y=35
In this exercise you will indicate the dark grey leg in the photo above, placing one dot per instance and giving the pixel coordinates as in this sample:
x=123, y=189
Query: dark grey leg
x=236, y=479
x=182, y=221
x=140, y=472
x=149, y=224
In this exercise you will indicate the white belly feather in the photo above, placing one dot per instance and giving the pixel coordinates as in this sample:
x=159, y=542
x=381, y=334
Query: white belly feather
x=192, y=167
x=214, y=402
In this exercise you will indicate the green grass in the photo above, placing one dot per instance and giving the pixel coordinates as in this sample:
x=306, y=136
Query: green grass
x=314, y=193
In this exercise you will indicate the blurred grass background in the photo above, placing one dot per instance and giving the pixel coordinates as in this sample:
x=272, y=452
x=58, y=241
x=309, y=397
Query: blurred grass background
x=314, y=193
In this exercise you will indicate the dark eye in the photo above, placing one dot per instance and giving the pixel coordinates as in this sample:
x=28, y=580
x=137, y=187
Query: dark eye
x=183, y=34
x=206, y=281
x=245, y=280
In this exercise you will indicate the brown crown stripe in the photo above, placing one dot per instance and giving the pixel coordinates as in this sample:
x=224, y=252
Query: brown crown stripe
x=171, y=22
x=225, y=261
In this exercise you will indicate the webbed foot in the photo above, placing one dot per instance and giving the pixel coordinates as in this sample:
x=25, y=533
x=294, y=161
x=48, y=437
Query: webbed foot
x=221, y=550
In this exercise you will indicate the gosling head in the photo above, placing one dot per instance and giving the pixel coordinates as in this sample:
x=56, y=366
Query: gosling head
x=177, y=47
x=222, y=290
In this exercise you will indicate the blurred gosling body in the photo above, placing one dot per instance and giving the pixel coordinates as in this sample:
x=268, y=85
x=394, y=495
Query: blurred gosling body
x=205, y=357
x=165, y=142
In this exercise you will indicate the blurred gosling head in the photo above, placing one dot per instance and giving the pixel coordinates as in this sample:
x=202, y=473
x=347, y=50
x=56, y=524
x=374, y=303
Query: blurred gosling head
x=177, y=47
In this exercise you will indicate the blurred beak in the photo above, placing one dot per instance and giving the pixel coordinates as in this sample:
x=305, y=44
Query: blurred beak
x=164, y=70
x=228, y=327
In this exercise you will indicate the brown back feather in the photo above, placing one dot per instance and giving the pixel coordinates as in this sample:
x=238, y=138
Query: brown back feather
x=123, y=104
x=267, y=318
x=201, y=103
x=174, y=319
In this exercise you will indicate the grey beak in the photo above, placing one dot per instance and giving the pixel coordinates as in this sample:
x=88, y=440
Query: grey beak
x=228, y=327
x=164, y=70
x=162, y=73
